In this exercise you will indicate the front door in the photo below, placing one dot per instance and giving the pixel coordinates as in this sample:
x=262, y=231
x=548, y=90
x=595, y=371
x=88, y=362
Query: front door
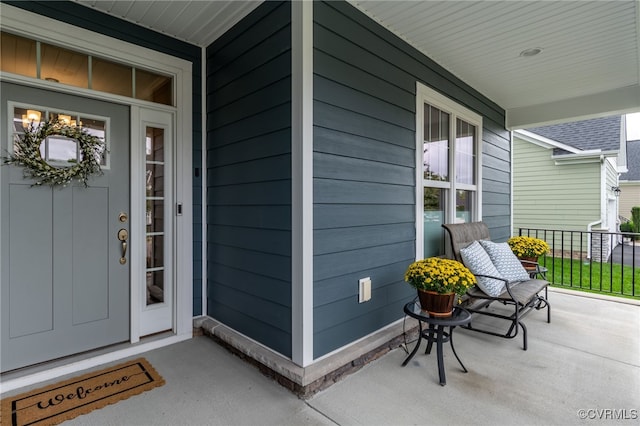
x=64, y=288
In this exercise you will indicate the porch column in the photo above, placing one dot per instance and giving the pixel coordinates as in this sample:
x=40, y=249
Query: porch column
x=302, y=181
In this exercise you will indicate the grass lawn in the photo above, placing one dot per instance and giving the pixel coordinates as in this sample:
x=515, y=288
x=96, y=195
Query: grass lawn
x=605, y=278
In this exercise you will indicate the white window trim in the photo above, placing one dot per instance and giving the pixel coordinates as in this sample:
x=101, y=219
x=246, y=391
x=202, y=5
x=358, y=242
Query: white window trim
x=48, y=30
x=427, y=95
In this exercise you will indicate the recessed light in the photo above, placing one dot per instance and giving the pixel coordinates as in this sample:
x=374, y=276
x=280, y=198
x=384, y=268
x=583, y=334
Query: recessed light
x=527, y=53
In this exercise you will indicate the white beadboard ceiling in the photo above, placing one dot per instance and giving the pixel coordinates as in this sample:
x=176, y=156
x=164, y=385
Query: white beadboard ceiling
x=196, y=22
x=589, y=64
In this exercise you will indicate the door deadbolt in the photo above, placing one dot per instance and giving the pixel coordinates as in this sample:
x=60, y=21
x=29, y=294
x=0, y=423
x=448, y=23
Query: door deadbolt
x=122, y=217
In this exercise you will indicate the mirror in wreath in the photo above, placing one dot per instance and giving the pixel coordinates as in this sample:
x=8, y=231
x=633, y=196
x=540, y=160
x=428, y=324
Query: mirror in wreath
x=57, y=151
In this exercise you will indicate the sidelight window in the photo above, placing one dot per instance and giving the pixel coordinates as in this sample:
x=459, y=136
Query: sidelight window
x=155, y=215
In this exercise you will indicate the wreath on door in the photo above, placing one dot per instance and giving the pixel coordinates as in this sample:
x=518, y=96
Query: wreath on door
x=26, y=153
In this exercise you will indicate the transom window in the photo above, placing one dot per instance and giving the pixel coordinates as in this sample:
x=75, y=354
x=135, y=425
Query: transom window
x=36, y=59
x=448, y=135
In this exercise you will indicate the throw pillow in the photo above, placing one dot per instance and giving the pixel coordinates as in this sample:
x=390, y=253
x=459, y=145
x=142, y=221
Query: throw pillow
x=505, y=261
x=479, y=263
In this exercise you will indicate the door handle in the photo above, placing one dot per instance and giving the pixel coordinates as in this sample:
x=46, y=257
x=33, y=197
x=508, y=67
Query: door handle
x=122, y=236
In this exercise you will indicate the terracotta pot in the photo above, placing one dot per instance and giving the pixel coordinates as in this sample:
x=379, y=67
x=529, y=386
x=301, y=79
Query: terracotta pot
x=526, y=265
x=435, y=304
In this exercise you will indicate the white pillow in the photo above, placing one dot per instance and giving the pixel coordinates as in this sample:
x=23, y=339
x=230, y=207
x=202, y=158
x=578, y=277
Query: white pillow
x=479, y=263
x=505, y=261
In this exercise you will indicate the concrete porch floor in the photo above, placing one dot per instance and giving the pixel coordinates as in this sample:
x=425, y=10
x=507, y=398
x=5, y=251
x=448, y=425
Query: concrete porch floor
x=587, y=359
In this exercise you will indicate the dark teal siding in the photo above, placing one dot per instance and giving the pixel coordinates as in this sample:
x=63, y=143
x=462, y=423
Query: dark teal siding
x=90, y=19
x=364, y=166
x=364, y=169
x=249, y=177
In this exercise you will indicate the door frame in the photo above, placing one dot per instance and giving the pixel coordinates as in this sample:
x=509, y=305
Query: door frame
x=48, y=30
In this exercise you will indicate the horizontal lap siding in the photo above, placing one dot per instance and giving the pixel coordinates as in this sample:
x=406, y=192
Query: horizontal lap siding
x=551, y=196
x=249, y=177
x=364, y=169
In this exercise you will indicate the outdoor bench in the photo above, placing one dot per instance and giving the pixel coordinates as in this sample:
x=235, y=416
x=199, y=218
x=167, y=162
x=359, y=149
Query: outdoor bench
x=521, y=296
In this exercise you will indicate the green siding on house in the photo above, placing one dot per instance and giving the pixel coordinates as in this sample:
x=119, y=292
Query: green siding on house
x=611, y=176
x=551, y=196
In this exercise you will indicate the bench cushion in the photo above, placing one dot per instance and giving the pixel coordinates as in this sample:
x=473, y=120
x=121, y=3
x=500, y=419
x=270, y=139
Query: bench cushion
x=523, y=292
x=507, y=264
x=479, y=263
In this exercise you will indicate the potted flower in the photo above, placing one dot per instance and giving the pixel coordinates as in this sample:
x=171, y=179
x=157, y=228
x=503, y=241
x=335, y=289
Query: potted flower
x=528, y=248
x=437, y=281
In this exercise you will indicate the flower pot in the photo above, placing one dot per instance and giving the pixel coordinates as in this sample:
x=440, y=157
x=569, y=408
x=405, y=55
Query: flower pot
x=528, y=266
x=435, y=304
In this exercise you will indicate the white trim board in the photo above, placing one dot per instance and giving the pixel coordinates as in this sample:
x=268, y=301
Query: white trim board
x=74, y=367
x=613, y=102
x=302, y=182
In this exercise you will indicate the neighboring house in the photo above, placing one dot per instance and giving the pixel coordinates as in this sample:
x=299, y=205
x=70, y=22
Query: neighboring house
x=319, y=151
x=630, y=181
x=565, y=176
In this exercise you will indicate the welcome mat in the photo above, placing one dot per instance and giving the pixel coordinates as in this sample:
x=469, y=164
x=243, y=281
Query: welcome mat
x=63, y=401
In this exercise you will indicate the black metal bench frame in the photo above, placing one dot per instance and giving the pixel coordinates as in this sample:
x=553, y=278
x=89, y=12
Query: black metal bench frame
x=523, y=296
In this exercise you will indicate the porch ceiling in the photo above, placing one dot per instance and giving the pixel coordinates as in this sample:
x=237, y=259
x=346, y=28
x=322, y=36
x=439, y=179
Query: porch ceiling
x=589, y=65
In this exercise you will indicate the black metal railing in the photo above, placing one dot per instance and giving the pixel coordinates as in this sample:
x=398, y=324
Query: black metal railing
x=595, y=261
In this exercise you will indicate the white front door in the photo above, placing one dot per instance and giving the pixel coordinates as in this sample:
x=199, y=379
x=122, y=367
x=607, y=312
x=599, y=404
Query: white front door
x=64, y=289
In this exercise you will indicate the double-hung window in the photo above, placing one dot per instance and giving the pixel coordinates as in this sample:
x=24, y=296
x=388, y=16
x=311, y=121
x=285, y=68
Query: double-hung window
x=448, y=168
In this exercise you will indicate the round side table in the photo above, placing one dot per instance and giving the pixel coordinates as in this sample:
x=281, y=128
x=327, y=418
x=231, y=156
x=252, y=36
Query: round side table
x=436, y=333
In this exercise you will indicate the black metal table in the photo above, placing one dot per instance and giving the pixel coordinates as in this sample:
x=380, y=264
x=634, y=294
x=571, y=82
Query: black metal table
x=540, y=270
x=436, y=333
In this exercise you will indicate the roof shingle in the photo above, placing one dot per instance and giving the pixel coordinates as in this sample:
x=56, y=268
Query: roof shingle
x=633, y=162
x=597, y=133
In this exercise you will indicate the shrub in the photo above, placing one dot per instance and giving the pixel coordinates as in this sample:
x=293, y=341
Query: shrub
x=635, y=218
x=626, y=227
